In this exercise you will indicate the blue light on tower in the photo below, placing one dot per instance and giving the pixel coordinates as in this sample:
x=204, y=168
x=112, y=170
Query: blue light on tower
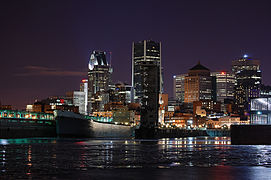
x=245, y=56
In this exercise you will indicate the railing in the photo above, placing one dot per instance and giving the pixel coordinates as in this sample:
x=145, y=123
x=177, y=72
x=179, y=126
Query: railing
x=10, y=114
x=100, y=119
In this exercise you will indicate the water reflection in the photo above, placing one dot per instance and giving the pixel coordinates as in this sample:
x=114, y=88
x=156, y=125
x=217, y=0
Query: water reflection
x=54, y=157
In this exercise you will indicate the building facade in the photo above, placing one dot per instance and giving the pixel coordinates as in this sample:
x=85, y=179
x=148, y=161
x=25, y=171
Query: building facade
x=224, y=87
x=146, y=80
x=265, y=91
x=198, y=84
x=260, y=112
x=84, y=88
x=99, y=76
x=78, y=99
x=178, y=87
x=248, y=79
x=120, y=92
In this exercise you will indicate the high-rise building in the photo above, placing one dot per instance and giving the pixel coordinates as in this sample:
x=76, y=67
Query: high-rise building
x=145, y=53
x=248, y=79
x=178, y=87
x=224, y=85
x=84, y=88
x=121, y=93
x=198, y=84
x=78, y=99
x=146, y=80
x=99, y=76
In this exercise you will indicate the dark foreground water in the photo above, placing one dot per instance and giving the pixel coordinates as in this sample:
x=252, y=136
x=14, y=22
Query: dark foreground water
x=182, y=158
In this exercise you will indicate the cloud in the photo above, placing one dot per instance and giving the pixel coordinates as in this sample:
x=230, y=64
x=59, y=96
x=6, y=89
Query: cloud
x=46, y=71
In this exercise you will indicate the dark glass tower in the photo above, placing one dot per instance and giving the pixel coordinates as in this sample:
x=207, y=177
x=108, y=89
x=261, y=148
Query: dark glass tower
x=147, y=80
x=99, y=76
x=248, y=80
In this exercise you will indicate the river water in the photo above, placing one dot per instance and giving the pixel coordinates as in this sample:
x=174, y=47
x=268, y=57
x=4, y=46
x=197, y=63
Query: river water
x=179, y=158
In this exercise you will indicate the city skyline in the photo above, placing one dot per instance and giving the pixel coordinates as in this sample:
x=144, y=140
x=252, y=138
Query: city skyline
x=45, y=51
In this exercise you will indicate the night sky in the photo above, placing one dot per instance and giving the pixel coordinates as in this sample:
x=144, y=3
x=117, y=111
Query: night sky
x=45, y=44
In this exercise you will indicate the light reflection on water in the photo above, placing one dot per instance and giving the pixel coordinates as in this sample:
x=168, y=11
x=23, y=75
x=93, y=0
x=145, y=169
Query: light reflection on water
x=36, y=157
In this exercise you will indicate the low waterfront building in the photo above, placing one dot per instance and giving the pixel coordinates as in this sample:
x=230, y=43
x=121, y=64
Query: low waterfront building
x=260, y=111
x=224, y=122
x=182, y=120
x=209, y=105
x=53, y=103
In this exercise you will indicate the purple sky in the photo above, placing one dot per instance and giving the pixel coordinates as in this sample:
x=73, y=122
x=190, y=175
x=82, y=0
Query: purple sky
x=45, y=44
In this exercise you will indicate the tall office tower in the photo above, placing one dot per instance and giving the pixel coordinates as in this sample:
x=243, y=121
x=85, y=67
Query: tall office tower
x=84, y=88
x=178, y=87
x=146, y=79
x=198, y=84
x=145, y=53
x=248, y=79
x=224, y=85
x=99, y=76
x=78, y=99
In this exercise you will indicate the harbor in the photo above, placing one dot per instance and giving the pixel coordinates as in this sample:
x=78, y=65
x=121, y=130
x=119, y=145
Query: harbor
x=20, y=124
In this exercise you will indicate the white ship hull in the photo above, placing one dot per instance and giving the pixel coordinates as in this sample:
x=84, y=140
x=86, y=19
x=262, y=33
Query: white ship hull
x=101, y=130
x=69, y=124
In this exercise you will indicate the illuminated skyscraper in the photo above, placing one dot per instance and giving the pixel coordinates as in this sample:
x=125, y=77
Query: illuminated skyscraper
x=99, y=76
x=248, y=78
x=198, y=84
x=224, y=85
x=84, y=88
x=147, y=80
x=145, y=53
x=178, y=87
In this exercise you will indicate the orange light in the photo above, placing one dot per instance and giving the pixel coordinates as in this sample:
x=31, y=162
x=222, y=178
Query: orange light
x=223, y=73
x=84, y=80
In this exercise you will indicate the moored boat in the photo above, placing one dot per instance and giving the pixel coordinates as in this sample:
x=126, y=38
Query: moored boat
x=69, y=124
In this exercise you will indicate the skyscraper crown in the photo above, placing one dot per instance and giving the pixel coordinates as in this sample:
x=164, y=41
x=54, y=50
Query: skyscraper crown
x=199, y=67
x=97, y=58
